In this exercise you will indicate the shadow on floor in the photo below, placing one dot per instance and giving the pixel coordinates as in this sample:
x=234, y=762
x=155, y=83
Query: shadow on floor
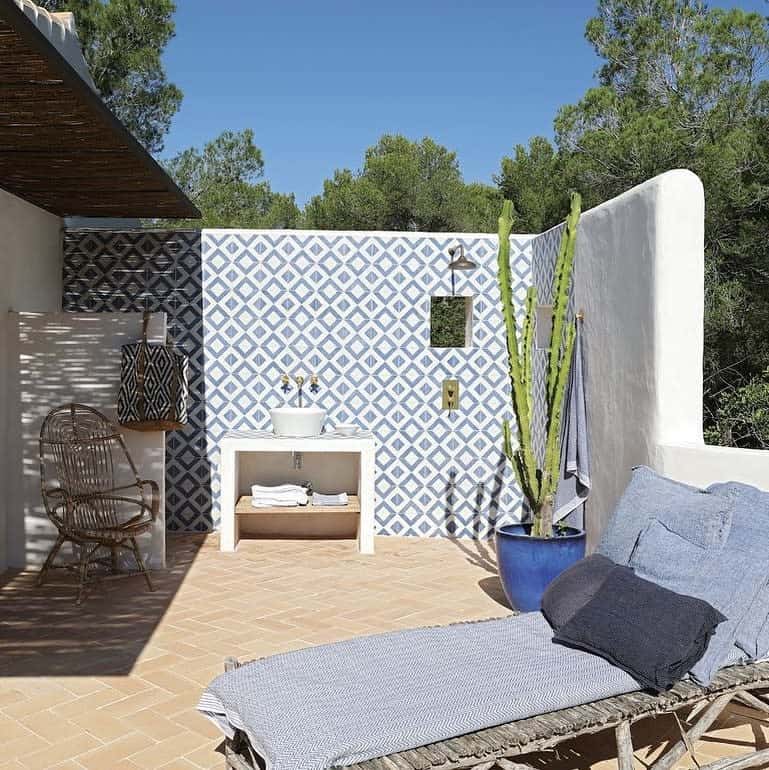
x=492, y=587
x=480, y=553
x=44, y=633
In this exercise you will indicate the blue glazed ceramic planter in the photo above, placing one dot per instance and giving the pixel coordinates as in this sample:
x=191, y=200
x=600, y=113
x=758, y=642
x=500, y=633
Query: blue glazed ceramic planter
x=528, y=564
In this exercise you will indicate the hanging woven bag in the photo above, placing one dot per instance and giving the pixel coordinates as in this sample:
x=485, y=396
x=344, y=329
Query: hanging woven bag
x=153, y=385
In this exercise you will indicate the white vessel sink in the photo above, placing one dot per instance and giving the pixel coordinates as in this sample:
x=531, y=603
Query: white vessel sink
x=297, y=421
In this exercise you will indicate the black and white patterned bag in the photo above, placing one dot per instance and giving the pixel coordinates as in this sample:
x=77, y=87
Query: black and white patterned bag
x=153, y=385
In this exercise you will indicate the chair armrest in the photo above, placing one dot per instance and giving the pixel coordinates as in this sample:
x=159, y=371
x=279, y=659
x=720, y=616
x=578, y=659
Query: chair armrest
x=154, y=504
x=55, y=502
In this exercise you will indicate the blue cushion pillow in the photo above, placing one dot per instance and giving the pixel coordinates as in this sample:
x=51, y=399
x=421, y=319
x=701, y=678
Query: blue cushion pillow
x=753, y=632
x=728, y=577
x=699, y=517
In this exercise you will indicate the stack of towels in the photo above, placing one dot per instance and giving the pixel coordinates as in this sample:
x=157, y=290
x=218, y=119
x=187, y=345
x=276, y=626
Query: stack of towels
x=337, y=500
x=282, y=495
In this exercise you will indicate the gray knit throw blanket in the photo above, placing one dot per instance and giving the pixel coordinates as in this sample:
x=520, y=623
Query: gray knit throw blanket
x=344, y=703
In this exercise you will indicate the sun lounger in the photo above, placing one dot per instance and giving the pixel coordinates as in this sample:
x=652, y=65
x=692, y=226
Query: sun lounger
x=499, y=747
x=485, y=694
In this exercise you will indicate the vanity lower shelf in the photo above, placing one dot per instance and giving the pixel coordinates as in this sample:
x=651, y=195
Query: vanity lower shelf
x=244, y=508
x=248, y=457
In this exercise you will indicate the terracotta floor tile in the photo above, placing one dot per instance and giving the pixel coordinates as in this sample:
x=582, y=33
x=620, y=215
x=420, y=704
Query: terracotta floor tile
x=21, y=747
x=11, y=729
x=49, y=727
x=126, y=685
x=48, y=757
x=176, y=704
x=137, y=702
x=80, y=686
x=107, y=757
x=207, y=757
x=9, y=695
x=37, y=703
x=167, y=750
x=179, y=764
x=125, y=764
x=70, y=764
x=195, y=722
x=167, y=680
x=87, y=703
x=101, y=724
x=154, y=724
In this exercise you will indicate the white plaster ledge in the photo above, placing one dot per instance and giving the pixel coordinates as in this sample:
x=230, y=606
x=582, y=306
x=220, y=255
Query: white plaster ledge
x=702, y=465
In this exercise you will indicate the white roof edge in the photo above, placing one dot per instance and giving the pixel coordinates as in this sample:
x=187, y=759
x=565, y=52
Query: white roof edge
x=60, y=30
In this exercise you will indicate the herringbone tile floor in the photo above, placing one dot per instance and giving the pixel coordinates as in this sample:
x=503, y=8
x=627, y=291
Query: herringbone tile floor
x=113, y=685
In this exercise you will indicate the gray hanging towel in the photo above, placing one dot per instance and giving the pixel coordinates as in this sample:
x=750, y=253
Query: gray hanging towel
x=574, y=483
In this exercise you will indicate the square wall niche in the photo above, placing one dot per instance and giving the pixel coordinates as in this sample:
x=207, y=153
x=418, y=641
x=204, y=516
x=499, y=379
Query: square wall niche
x=451, y=322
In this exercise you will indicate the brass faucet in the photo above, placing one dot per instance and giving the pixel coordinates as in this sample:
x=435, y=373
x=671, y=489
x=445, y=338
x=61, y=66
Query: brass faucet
x=299, y=379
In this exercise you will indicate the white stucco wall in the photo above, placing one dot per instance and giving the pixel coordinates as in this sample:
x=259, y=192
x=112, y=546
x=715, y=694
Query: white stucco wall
x=702, y=465
x=639, y=276
x=59, y=358
x=30, y=279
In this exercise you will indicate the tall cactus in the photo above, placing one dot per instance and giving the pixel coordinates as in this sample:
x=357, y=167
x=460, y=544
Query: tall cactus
x=538, y=484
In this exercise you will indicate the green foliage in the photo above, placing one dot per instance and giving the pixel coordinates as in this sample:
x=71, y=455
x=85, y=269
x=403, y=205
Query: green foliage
x=743, y=415
x=225, y=181
x=481, y=208
x=533, y=179
x=681, y=86
x=347, y=203
x=448, y=322
x=404, y=185
x=538, y=481
x=123, y=41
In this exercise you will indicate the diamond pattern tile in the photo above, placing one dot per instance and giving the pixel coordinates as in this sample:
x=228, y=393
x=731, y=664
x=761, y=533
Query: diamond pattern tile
x=354, y=307
x=106, y=271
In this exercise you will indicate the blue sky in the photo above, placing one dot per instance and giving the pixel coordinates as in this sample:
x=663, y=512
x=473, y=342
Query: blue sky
x=321, y=81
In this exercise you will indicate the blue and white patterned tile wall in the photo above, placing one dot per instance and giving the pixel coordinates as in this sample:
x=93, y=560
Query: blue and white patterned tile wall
x=354, y=308
x=156, y=270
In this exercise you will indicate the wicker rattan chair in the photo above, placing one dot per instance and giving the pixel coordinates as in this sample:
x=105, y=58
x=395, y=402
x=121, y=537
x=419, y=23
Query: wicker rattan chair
x=92, y=492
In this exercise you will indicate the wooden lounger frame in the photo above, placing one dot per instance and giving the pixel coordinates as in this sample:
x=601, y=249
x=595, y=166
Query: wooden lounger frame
x=497, y=747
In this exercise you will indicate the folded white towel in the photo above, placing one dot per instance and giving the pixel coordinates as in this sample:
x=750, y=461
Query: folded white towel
x=282, y=494
x=328, y=500
x=278, y=502
x=296, y=497
x=257, y=489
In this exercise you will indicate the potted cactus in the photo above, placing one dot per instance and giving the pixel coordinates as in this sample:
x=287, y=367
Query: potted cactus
x=531, y=555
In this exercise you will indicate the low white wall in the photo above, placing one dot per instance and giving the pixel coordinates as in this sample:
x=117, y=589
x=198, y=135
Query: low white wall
x=30, y=279
x=54, y=359
x=639, y=276
x=704, y=465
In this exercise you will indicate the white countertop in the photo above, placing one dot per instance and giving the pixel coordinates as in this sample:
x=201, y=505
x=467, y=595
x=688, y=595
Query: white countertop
x=266, y=440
